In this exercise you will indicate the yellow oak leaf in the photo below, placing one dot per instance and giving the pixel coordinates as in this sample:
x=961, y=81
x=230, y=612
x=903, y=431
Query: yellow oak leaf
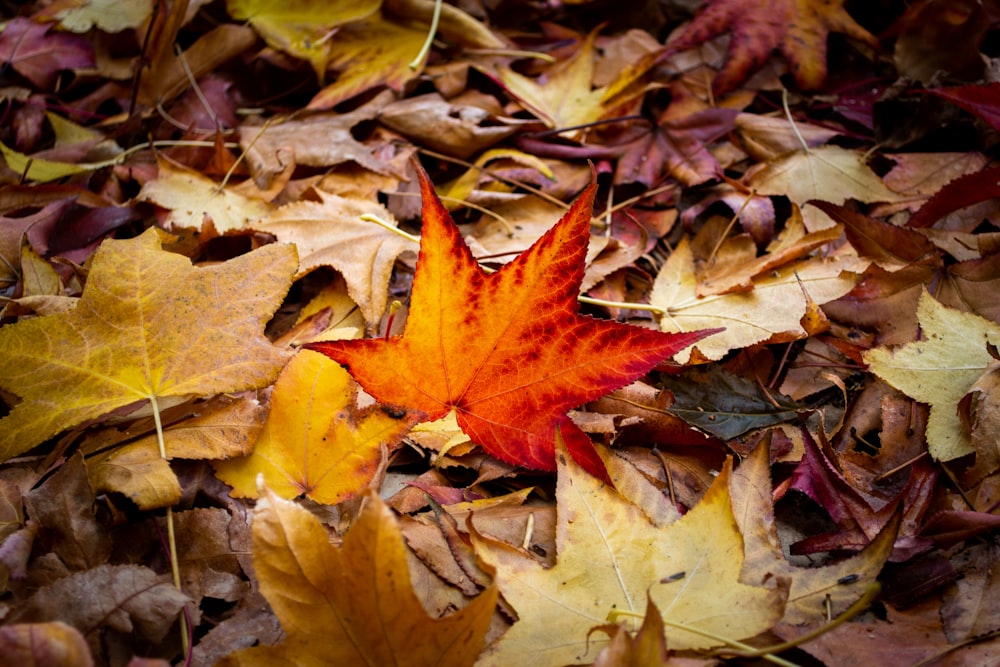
x=352, y=605
x=771, y=311
x=609, y=556
x=315, y=441
x=148, y=326
x=940, y=369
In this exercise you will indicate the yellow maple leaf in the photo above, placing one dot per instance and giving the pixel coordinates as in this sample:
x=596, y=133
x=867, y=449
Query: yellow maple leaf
x=940, y=369
x=149, y=325
x=771, y=311
x=609, y=557
x=352, y=605
x=315, y=441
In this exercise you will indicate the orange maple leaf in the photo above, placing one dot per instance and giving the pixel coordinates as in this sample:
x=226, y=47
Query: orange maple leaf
x=507, y=351
x=799, y=28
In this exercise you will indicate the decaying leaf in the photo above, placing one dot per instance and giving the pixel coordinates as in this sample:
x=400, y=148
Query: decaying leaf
x=609, y=558
x=353, y=604
x=507, y=351
x=51, y=644
x=148, y=326
x=316, y=442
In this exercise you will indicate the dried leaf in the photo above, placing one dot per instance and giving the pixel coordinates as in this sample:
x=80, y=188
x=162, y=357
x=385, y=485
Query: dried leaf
x=148, y=326
x=52, y=644
x=940, y=369
x=799, y=28
x=353, y=604
x=609, y=558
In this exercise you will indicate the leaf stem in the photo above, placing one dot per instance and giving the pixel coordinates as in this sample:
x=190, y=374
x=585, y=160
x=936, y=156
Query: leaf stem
x=171, y=537
x=628, y=305
x=371, y=217
x=415, y=63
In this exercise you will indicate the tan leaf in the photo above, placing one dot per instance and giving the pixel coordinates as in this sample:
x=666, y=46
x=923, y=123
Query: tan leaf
x=354, y=604
x=828, y=173
x=193, y=199
x=817, y=591
x=330, y=232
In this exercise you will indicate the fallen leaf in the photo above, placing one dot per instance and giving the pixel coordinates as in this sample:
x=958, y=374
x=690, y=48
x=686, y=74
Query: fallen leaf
x=125, y=598
x=940, y=369
x=647, y=649
x=815, y=592
x=371, y=53
x=353, y=604
x=194, y=200
x=969, y=608
x=51, y=644
x=318, y=140
x=38, y=53
x=316, y=442
x=726, y=405
x=507, y=351
x=826, y=173
x=771, y=311
x=148, y=326
x=983, y=101
x=609, y=559
x=301, y=27
x=799, y=28
x=330, y=232
x=963, y=191
x=107, y=15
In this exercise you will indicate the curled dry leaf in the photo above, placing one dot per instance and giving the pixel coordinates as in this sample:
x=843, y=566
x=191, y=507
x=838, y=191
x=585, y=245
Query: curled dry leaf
x=353, y=604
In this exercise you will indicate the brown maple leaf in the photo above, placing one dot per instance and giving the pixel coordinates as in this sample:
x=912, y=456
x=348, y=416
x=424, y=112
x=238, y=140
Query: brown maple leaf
x=798, y=28
x=507, y=351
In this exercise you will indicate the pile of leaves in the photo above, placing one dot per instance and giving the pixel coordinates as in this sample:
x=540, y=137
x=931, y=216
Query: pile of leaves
x=500, y=332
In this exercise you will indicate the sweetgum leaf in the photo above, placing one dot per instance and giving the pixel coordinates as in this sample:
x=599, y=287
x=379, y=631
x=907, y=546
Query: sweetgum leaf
x=799, y=28
x=352, y=605
x=508, y=351
x=148, y=325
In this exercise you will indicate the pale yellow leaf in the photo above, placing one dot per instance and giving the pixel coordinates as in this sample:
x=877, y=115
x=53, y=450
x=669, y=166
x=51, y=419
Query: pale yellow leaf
x=940, y=369
x=771, y=311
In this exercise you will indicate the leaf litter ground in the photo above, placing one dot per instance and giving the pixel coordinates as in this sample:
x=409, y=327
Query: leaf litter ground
x=753, y=173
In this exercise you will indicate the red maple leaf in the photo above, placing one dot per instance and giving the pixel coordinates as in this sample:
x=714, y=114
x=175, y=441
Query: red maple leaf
x=507, y=351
